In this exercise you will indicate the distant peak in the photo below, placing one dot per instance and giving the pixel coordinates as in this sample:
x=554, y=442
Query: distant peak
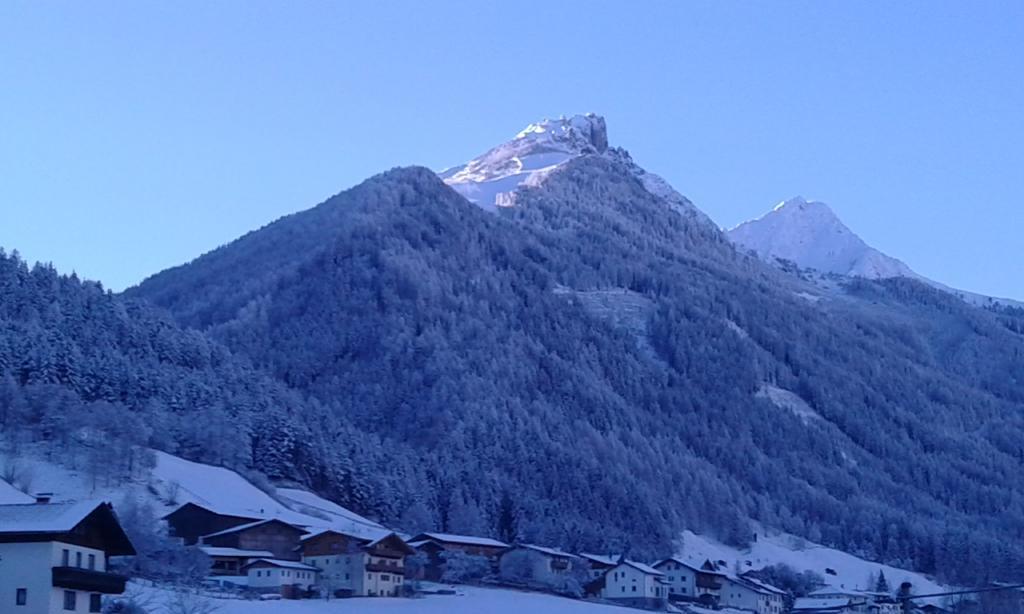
x=585, y=131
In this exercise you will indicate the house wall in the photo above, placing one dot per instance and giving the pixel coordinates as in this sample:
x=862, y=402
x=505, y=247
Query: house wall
x=277, y=538
x=29, y=566
x=348, y=572
x=262, y=578
x=630, y=586
x=681, y=580
x=739, y=596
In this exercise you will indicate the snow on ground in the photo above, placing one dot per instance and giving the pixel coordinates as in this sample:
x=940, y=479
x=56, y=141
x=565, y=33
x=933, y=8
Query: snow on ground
x=175, y=481
x=851, y=572
x=469, y=600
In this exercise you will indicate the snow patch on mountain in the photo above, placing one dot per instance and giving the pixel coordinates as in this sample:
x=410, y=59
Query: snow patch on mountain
x=810, y=234
x=492, y=179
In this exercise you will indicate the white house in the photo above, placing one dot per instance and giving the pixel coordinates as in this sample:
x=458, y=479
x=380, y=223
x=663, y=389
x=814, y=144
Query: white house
x=54, y=557
x=748, y=593
x=690, y=582
x=228, y=562
x=539, y=565
x=635, y=585
x=357, y=566
x=289, y=578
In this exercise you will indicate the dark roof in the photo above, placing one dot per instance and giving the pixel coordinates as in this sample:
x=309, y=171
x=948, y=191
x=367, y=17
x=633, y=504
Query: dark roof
x=242, y=515
x=26, y=520
x=251, y=525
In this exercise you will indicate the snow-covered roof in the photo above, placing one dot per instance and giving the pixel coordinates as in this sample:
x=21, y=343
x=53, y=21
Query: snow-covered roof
x=282, y=563
x=44, y=517
x=243, y=527
x=548, y=551
x=252, y=554
x=837, y=590
x=642, y=568
x=336, y=531
x=810, y=603
x=10, y=495
x=468, y=540
x=759, y=585
x=603, y=559
x=690, y=565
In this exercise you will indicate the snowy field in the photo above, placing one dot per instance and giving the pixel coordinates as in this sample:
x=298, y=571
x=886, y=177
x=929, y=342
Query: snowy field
x=469, y=600
x=851, y=572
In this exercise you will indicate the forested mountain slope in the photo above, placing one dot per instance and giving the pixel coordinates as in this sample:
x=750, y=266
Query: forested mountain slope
x=590, y=368
x=91, y=377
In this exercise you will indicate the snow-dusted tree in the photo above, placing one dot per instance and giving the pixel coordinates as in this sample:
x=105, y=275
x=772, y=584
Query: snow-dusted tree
x=461, y=568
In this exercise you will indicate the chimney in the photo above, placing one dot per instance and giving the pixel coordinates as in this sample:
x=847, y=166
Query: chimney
x=42, y=498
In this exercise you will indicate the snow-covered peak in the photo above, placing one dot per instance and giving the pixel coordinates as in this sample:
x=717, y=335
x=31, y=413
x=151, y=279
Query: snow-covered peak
x=810, y=234
x=491, y=179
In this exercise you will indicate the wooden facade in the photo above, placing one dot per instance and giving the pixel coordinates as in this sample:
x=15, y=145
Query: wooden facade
x=276, y=536
x=191, y=521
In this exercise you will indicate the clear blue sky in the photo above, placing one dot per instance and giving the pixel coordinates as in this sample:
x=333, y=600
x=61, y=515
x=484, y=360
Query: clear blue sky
x=136, y=135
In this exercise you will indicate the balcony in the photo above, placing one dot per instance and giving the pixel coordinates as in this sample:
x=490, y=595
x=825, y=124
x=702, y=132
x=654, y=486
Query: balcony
x=75, y=578
x=708, y=582
x=395, y=569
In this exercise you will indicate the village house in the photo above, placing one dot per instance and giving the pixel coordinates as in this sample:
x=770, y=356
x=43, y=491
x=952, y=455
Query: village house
x=290, y=579
x=632, y=584
x=54, y=557
x=598, y=564
x=855, y=600
x=435, y=545
x=748, y=593
x=688, y=582
x=192, y=521
x=229, y=561
x=548, y=567
x=357, y=566
x=275, y=536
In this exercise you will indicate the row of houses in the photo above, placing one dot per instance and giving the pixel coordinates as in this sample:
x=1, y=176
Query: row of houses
x=272, y=555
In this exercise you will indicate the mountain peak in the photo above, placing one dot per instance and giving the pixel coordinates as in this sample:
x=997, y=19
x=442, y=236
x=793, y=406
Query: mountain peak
x=490, y=180
x=810, y=234
x=579, y=132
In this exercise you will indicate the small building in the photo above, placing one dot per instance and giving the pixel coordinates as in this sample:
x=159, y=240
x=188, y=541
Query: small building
x=54, y=557
x=635, y=585
x=538, y=565
x=290, y=579
x=229, y=561
x=597, y=564
x=357, y=566
x=748, y=593
x=435, y=545
x=191, y=521
x=275, y=536
x=688, y=582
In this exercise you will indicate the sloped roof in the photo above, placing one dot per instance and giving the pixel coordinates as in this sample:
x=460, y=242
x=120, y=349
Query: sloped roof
x=320, y=532
x=647, y=569
x=218, y=551
x=759, y=585
x=604, y=559
x=281, y=563
x=548, y=551
x=691, y=566
x=467, y=540
x=251, y=525
x=60, y=518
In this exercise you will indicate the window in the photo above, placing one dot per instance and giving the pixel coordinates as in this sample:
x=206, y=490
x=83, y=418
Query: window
x=634, y=588
x=65, y=557
x=95, y=602
x=385, y=577
x=78, y=560
x=92, y=563
x=21, y=596
x=70, y=599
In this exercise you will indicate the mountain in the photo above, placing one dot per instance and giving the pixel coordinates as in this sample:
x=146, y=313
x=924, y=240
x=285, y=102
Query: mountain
x=492, y=179
x=590, y=364
x=810, y=235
